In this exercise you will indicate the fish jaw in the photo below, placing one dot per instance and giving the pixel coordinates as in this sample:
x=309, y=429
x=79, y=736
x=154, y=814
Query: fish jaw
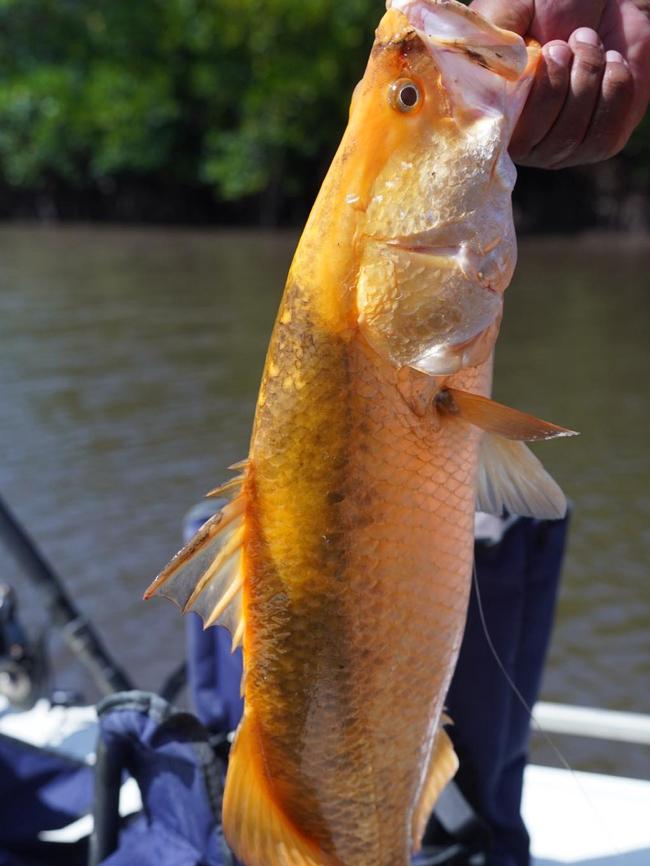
x=486, y=69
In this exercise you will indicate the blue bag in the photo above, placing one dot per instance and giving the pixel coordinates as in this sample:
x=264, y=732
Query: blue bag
x=40, y=790
x=180, y=774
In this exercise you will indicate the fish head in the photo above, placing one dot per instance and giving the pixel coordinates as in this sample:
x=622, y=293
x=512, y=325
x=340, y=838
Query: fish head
x=432, y=183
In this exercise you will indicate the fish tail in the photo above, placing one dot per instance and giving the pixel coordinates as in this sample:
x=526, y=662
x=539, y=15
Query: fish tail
x=257, y=829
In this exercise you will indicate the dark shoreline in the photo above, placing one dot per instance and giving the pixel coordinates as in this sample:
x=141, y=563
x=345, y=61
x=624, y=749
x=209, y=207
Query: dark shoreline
x=593, y=198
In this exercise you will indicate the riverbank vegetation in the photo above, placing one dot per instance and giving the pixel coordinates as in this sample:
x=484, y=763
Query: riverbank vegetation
x=217, y=111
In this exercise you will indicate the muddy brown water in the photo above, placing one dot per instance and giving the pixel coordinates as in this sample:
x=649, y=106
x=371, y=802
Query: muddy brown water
x=129, y=366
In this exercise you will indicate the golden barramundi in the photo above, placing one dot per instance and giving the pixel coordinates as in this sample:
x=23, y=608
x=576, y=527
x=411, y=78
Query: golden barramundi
x=343, y=559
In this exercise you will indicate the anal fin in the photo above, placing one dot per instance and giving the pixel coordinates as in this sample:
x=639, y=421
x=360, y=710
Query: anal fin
x=206, y=576
x=254, y=824
x=442, y=768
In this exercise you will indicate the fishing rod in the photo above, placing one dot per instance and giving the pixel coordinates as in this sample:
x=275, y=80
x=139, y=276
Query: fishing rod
x=77, y=632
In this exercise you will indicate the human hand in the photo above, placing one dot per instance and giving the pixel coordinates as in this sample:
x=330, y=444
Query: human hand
x=593, y=84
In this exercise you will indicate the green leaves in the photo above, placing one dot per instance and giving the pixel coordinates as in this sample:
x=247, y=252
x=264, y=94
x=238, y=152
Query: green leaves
x=129, y=119
x=233, y=94
x=39, y=123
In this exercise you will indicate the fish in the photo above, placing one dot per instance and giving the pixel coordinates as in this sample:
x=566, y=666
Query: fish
x=342, y=559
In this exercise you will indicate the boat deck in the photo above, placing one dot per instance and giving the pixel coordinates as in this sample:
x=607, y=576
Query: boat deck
x=586, y=819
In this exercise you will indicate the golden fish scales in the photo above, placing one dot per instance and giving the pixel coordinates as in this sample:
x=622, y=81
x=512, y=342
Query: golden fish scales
x=360, y=542
x=343, y=561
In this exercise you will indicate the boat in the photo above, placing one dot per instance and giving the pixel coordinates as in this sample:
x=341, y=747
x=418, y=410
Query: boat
x=574, y=817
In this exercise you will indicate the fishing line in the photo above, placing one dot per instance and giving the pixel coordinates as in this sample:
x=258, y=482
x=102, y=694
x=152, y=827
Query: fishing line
x=602, y=822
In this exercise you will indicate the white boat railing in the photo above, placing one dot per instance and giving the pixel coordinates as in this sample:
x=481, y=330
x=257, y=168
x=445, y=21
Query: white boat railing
x=590, y=722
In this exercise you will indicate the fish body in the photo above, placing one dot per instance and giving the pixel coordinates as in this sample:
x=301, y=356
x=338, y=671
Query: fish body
x=343, y=562
x=362, y=552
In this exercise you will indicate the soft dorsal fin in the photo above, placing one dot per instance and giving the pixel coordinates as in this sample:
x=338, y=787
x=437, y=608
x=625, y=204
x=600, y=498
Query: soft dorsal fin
x=512, y=479
x=207, y=575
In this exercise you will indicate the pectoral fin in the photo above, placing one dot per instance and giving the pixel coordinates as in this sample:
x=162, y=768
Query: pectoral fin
x=496, y=418
x=206, y=576
x=510, y=478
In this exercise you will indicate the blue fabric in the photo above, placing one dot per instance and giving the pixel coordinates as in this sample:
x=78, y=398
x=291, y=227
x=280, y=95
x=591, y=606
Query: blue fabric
x=518, y=581
x=214, y=673
x=180, y=779
x=214, y=676
x=39, y=790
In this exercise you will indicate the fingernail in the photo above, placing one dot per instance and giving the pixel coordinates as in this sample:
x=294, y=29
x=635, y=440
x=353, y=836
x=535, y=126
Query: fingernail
x=587, y=36
x=616, y=57
x=559, y=52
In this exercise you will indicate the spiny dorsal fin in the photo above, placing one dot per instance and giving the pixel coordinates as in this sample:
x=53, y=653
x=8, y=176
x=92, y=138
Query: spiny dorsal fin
x=206, y=576
x=511, y=478
x=227, y=488
x=496, y=418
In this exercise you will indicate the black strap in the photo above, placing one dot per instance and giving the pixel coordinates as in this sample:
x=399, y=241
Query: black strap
x=459, y=821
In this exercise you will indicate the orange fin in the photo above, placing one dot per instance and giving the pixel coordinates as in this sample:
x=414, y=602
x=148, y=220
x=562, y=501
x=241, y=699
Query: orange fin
x=511, y=478
x=227, y=488
x=496, y=418
x=254, y=824
x=206, y=575
x=443, y=765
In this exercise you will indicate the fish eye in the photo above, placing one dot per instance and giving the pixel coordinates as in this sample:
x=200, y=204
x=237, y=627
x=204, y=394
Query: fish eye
x=404, y=95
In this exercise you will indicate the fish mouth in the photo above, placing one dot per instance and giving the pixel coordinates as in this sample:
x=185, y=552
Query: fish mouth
x=454, y=28
x=486, y=71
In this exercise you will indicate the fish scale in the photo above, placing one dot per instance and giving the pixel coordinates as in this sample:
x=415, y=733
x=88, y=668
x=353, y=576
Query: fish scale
x=395, y=579
x=343, y=559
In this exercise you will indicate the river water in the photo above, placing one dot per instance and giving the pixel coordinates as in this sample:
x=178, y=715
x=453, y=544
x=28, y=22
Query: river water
x=129, y=366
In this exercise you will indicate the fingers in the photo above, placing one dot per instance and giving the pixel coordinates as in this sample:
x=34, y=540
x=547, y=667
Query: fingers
x=613, y=120
x=546, y=100
x=579, y=108
x=564, y=139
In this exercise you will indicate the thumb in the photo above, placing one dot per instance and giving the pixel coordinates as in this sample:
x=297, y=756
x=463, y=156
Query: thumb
x=514, y=15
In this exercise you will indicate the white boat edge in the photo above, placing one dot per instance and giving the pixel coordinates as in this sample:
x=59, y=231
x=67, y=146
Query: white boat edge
x=584, y=819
